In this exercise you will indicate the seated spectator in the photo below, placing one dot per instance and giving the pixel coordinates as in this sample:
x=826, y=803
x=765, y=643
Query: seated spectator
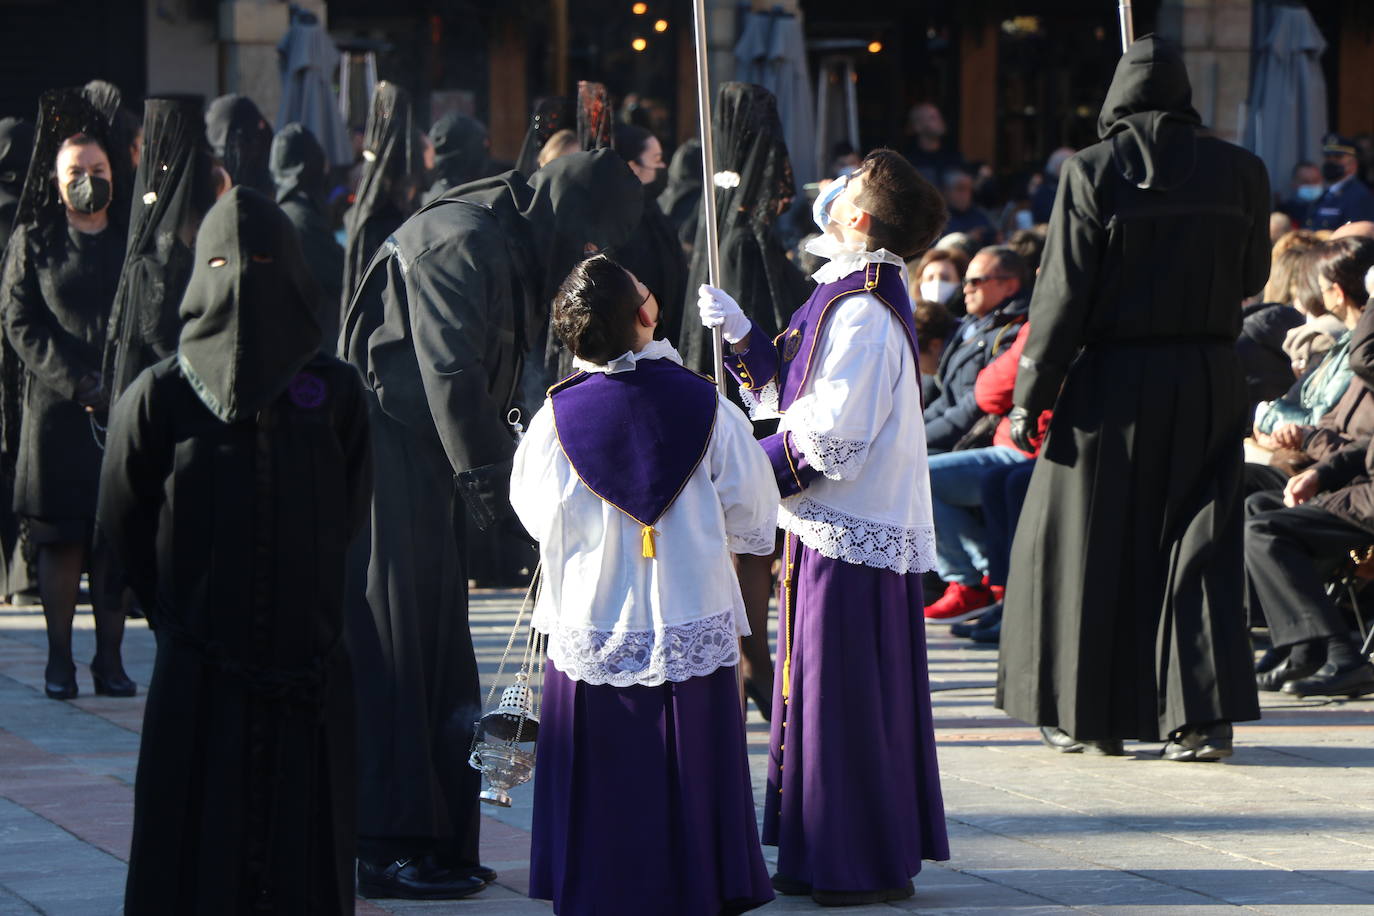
x=1042, y=201
x=925, y=148
x=1340, y=267
x=995, y=293
x=1347, y=198
x=1029, y=244
x=934, y=327
x=939, y=277
x=964, y=215
x=1265, y=326
x=963, y=542
x=1303, y=191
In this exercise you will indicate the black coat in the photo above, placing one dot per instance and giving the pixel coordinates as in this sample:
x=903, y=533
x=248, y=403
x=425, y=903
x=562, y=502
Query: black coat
x=1351, y=202
x=954, y=410
x=325, y=258
x=1268, y=370
x=57, y=295
x=1122, y=617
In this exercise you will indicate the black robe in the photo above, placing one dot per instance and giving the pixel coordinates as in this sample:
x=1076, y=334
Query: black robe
x=1123, y=616
x=234, y=479
x=438, y=330
x=301, y=173
x=58, y=289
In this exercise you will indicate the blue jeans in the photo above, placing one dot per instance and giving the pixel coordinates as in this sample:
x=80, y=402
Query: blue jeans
x=1004, y=493
x=962, y=540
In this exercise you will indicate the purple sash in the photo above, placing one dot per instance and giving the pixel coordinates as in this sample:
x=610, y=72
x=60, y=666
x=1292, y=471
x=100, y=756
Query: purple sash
x=797, y=345
x=635, y=438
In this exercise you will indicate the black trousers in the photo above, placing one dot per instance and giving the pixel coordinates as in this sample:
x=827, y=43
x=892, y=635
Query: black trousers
x=1289, y=555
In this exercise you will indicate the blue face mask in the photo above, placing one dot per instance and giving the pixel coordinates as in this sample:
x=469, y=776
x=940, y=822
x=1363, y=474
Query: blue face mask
x=1309, y=192
x=820, y=211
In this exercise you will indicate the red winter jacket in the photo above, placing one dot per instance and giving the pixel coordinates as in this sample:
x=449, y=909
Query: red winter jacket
x=993, y=391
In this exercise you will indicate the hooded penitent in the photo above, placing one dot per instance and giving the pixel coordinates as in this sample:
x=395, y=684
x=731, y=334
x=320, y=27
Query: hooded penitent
x=240, y=138
x=753, y=178
x=249, y=311
x=173, y=189
x=1148, y=115
x=460, y=153
x=391, y=161
x=301, y=174
x=1121, y=613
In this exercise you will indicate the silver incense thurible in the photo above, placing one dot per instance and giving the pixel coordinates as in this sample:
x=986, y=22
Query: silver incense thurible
x=497, y=753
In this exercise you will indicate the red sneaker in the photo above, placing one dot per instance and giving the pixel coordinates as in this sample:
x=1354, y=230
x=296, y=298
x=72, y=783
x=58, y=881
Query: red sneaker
x=959, y=602
x=999, y=593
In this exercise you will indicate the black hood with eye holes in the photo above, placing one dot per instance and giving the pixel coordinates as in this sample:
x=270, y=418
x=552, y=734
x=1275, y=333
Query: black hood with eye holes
x=250, y=325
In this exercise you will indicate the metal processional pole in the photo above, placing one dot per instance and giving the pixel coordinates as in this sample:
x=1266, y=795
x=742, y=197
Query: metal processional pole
x=708, y=184
x=1123, y=10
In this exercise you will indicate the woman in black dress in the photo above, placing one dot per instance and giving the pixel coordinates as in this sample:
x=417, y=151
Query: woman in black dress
x=60, y=277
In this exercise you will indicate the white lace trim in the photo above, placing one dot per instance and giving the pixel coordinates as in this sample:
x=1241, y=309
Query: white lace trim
x=761, y=404
x=759, y=543
x=623, y=658
x=861, y=541
x=837, y=459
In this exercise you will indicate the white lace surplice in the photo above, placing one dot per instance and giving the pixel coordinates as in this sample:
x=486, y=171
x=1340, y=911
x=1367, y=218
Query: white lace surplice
x=858, y=421
x=616, y=617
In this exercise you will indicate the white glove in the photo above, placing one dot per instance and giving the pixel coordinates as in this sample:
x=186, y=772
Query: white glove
x=718, y=310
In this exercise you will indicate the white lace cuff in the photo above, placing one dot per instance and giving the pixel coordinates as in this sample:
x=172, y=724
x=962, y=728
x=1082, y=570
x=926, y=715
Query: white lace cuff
x=759, y=543
x=623, y=658
x=861, y=541
x=761, y=404
x=837, y=459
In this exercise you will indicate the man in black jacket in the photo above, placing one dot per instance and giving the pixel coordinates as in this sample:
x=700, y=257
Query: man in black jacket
x=995, y=288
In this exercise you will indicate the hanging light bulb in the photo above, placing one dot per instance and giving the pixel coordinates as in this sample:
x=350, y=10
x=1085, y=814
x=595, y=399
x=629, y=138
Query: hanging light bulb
x=639, y=9
x=661, y=25
x=639, y=44
x=875, y=47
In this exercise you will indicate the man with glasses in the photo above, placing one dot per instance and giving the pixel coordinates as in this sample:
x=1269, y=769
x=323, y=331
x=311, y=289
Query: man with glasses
x=996, y=294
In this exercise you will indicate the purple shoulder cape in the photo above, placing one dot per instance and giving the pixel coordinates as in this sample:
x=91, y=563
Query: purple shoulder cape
x=635, y=438
x=797, y=345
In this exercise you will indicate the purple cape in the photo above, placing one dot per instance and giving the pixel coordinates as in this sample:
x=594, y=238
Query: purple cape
x=634, y=438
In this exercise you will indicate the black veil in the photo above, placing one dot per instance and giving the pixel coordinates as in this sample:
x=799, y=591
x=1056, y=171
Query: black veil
x=391, y=162
x=173, y=189
x=551, y=114
x=753, y=179
x=241, y=139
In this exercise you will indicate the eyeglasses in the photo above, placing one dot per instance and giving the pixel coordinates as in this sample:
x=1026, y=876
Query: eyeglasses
x=979, y=281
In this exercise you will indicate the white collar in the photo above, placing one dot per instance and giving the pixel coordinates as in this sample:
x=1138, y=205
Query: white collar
x=845, y=258
x=625, y=362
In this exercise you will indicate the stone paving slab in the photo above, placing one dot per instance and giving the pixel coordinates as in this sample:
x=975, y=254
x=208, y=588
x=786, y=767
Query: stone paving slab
x=1285, y=827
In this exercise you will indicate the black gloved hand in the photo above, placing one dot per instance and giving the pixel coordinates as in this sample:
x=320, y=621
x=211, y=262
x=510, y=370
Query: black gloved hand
x=1023, y=429
x=486, y=493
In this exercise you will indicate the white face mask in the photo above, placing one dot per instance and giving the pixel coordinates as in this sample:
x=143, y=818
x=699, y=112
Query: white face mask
x=820, y=210
x=938, y=290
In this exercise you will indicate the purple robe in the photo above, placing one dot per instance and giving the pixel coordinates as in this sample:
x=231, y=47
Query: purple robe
x=853, y=800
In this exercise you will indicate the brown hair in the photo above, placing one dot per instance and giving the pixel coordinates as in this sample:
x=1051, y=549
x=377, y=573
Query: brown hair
x=1343, y=262
x=594, y=310
x=905, y=211
x=933, y=322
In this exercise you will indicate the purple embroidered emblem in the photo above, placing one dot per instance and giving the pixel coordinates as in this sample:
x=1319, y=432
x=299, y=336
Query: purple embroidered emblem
x=306, y=390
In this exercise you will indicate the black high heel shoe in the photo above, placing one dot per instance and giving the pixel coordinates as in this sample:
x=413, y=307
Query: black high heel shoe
x=62, y=690
x=120, y=686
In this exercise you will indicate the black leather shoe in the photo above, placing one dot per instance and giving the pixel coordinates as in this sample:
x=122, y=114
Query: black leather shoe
x=414, y=879
x=762, y=702
x=989, y=635
x=1330, y=681
x=1199, y=742
x=1285, y=671
x=862, y=898
x=1271, y=659
x=488, y=875
x=121, y=685
x=965, y=629
x=790, y=887
x=1065, y=743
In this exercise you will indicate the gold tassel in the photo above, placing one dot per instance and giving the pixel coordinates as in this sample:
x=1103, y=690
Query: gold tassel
x=787, y=677
x=650, y=551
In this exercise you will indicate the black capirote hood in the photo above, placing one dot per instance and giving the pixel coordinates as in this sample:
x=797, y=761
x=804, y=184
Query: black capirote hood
x=1149, y=116
x=249, y=311
x=298, y=165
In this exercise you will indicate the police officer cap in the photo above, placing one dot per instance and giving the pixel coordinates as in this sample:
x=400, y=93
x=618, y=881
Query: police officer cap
x=1337, y=145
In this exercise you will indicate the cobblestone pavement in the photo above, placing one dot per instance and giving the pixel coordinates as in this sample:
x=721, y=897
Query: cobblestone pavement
x=1286, y=826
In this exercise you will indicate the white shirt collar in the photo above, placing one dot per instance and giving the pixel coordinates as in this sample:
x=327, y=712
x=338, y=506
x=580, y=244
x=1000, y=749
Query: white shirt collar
x=844, y=259
x=625, y=362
